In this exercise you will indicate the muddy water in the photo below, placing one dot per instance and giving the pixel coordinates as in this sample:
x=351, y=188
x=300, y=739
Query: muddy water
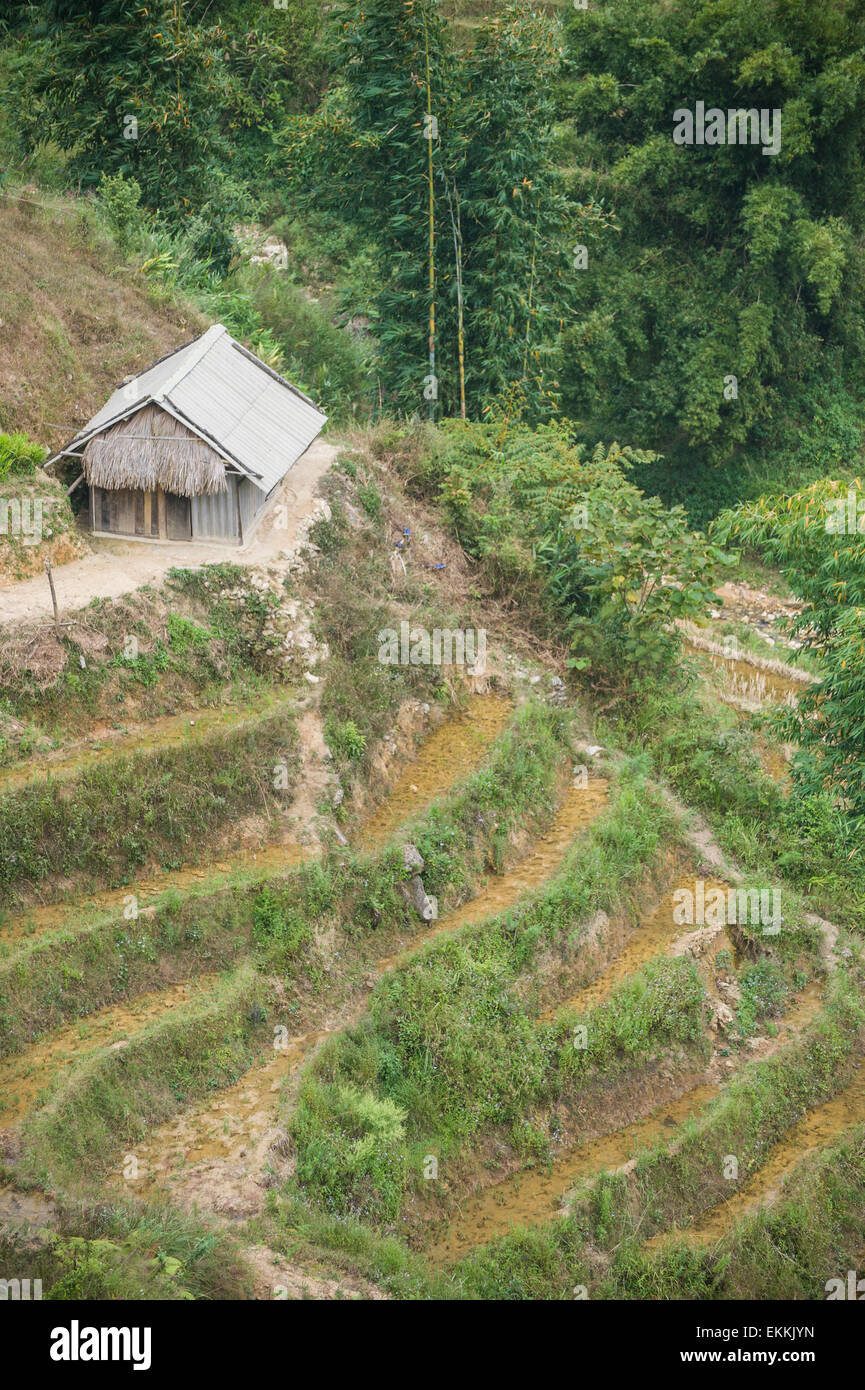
x=581, y=806
x=165, y=732
x=23, y=1075
x=235, y=1125
x=446, y=756
x=535, y=1195
x=654, y=935
x=818, y=1129
x=450, y=753
x=751, y=683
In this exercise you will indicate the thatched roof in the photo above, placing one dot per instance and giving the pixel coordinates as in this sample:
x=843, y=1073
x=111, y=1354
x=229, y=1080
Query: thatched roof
x=238, y=408
x=152, y=449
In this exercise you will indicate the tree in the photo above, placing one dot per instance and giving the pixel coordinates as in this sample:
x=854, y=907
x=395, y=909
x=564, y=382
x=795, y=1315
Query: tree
x=817, y=538
x=733, y=296
x=413, y=126
x=138, y=90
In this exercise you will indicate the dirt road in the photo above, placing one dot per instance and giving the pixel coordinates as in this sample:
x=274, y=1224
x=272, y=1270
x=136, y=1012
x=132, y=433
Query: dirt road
x=118, y=566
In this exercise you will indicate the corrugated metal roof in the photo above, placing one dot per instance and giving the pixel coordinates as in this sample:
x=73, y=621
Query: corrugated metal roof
x=251, y=415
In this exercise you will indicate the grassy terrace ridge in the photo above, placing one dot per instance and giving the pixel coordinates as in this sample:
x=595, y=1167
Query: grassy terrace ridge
x=613, y=1214
x=783, y=1251
x=598, y=1245
x=117, y=1094
x=73, y=971
x=514, y=793
x=452, y=1050
x=450, y=1047
x=95, y=829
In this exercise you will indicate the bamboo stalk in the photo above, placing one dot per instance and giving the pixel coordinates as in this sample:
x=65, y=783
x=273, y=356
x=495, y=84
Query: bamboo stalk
x=456, y=228
x=432, y=278
x=531, y=286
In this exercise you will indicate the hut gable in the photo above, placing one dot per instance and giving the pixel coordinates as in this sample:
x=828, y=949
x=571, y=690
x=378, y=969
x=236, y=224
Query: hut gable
x=208, y=407
x=152, y=449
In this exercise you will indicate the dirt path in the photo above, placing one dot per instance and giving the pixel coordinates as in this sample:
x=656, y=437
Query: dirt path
x=118, y=566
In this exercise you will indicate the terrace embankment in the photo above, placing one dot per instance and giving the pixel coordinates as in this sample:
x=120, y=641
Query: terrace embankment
x=451, y=752
x=216, y=1155
x=25, y=1074
x=818, y=1129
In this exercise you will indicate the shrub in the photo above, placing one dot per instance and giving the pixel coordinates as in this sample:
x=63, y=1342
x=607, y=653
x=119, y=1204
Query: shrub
x=817, y=538
x=345, y=740
x=20, y=455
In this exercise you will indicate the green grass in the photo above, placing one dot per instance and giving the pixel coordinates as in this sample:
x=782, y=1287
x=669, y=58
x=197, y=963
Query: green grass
x=99, y=827
x=115, y=1097
x=676, y=1182
x=58, y=976
x=452, y=1048
x=115, y=1252
x=712, y=762
x=197, y=640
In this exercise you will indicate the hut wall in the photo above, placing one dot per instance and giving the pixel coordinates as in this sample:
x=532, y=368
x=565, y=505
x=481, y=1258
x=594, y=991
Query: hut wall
x=215, y=517
x=252, y=502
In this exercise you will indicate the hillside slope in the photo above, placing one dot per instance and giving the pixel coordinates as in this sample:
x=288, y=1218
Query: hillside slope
x=74, y=319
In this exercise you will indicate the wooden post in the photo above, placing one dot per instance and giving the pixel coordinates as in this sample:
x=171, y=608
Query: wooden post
x=53, y=595
x=239, y=513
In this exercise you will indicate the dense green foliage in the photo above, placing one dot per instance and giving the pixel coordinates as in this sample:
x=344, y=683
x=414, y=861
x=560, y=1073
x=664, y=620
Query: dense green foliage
x=703, y=302
x=728, y=261
x=618, y=567
x=19, y=456
x=816, y=538
x=499, y=221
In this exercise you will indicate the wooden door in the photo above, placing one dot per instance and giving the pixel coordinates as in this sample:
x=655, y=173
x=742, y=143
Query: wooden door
x=178, y=517
x=146, y=514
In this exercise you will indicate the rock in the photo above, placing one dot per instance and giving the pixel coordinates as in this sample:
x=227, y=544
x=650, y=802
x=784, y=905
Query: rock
x=592, y=749
x=413, y=860
x=338, y=796
x=426, y=907
x=313, y=680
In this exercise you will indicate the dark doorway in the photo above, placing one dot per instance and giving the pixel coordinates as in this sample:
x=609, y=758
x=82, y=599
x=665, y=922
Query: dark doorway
x=178, y=517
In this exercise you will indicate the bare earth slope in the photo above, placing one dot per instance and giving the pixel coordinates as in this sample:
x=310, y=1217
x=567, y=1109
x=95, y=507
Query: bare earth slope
x=74, y=321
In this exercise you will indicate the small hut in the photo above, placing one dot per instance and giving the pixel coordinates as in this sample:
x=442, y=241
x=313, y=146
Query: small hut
x=192, y=448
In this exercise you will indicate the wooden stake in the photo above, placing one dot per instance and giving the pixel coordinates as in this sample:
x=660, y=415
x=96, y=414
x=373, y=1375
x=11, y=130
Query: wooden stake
x=48, y=569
